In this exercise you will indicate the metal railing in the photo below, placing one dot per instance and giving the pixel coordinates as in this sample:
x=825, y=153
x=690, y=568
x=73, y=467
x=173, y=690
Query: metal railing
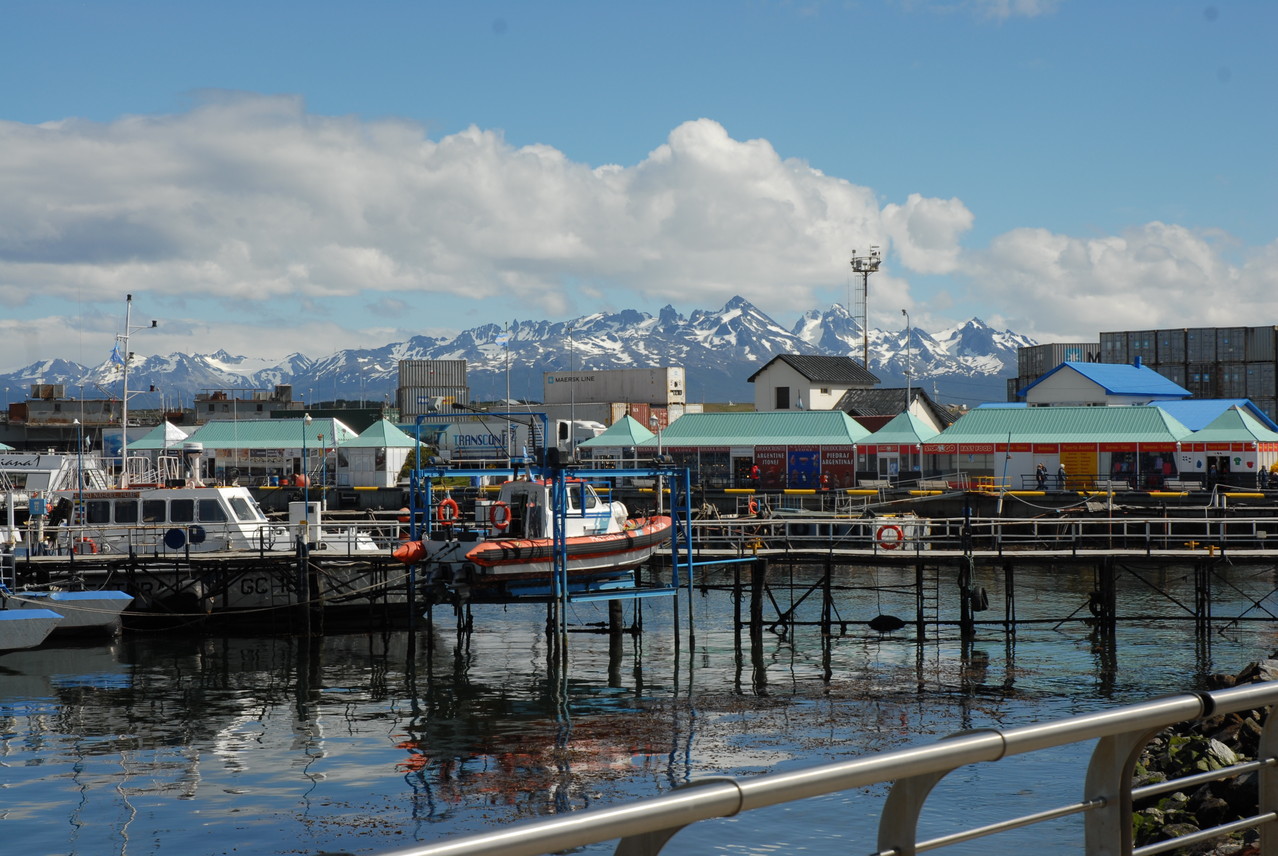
x=894, y=534
x=208, y=537
x=643, y=828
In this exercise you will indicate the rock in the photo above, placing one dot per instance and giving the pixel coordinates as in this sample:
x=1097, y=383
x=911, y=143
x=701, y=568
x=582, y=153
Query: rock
x=1209, y=809
x=1219, y=755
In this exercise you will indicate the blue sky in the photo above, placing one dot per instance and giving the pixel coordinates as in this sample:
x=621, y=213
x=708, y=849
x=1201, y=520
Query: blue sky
x=278, y=177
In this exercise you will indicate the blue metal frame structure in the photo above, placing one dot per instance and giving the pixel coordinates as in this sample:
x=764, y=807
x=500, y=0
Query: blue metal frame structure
x=546, y=467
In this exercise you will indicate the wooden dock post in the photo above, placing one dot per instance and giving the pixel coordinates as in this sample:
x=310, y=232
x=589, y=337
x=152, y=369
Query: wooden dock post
x=1009, y=597
x=967, y=625
x=920, y=604
x=758, y=588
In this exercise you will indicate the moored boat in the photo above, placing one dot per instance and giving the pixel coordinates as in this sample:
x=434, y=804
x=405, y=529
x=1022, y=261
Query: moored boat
x=82, y=612
x=511, y=546
x=25, y=628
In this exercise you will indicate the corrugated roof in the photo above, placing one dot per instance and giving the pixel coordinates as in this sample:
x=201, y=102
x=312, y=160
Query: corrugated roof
x=1115, y=424
x=1118, y=379
x=625, y=432
x=382, y=434
x=1235, y=425
x=779, y=428
x=836, y=371
x=1197, y=413
x=888, y=401
x=271, y=433
x=166, y=435
x=904, y=429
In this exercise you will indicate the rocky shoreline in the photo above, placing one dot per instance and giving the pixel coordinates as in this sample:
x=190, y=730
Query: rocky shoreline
x=1195, y=747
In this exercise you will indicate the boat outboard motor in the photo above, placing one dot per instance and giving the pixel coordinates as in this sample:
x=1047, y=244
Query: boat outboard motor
x=191, y=454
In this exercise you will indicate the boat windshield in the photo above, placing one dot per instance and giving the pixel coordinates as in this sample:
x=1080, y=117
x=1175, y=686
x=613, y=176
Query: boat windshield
x=245, y=510
x=211, y=511
x=581, y=496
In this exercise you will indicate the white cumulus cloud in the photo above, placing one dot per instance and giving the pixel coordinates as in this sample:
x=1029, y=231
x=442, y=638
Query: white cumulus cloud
x=1057, y=287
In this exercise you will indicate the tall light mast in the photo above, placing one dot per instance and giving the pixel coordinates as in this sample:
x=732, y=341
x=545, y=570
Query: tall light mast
x=865, y=265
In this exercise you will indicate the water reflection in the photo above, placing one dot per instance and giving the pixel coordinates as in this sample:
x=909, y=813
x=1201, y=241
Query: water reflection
x=363, y=742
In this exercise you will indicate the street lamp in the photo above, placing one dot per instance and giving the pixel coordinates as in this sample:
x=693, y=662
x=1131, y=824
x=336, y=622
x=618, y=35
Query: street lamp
x=656, y=426
x=79, y=479
x=306, y=469
x=906, y=313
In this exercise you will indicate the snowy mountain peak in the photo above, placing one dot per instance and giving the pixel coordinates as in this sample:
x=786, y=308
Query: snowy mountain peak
x=718, y=350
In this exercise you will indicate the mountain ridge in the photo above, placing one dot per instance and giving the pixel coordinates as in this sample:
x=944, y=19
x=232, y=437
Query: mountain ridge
x=718, y=349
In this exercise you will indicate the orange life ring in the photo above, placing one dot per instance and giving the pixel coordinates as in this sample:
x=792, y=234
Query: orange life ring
x=499, y=515
x=893, y=542
x=448, y=512
x=753, y=507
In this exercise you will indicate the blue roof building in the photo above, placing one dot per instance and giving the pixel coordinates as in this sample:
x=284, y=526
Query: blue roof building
x=1093, y=384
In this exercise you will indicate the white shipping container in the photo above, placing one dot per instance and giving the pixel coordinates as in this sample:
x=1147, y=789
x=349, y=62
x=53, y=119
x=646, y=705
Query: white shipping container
x=649, y=386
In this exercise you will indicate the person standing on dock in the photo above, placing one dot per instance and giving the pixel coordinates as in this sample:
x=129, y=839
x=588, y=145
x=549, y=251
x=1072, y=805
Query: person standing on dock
x=1040, y=476
x=1060, y=477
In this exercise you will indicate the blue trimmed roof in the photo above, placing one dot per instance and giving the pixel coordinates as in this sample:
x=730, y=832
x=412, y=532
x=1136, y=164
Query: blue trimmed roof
x=1122, y=379
x=1197, y=413
x=1233, y=426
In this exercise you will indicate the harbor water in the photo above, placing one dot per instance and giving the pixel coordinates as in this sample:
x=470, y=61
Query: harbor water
x=367, y=743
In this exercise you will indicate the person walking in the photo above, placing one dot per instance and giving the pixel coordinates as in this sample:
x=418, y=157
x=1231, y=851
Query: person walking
x=1040, y=476
x=1060, y=477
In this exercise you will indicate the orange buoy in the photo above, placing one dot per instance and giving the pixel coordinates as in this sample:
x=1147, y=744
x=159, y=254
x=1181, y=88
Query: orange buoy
x=410, y=552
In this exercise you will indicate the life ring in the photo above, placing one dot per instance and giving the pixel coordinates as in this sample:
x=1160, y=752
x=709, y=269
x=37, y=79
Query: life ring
x=448, y=512
x=499, y=515
x=753, y=507
x=892, y=542
x=84, y=545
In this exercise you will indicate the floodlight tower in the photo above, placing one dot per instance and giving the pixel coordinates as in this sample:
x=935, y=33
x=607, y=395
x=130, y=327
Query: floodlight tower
x=866, y=265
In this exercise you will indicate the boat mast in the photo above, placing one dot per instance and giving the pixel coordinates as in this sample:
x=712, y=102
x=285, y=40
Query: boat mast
x=125, y=356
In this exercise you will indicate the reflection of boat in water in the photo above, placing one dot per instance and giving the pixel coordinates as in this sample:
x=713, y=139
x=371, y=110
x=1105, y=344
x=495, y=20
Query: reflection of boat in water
x=511, y=546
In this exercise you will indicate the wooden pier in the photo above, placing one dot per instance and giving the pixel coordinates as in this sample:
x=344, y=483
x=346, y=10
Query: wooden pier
x=268, y=592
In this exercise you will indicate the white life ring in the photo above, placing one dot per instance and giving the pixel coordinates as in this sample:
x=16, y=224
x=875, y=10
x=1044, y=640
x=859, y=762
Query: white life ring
x=889, y=536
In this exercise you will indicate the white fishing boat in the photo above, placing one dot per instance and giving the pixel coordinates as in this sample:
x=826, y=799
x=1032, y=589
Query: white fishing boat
x=191, y=519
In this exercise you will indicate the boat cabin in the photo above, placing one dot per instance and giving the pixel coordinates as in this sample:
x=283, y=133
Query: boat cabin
x=529, y=505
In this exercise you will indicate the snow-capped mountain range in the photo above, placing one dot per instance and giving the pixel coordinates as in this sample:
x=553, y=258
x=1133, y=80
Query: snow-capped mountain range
x=718, y=349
